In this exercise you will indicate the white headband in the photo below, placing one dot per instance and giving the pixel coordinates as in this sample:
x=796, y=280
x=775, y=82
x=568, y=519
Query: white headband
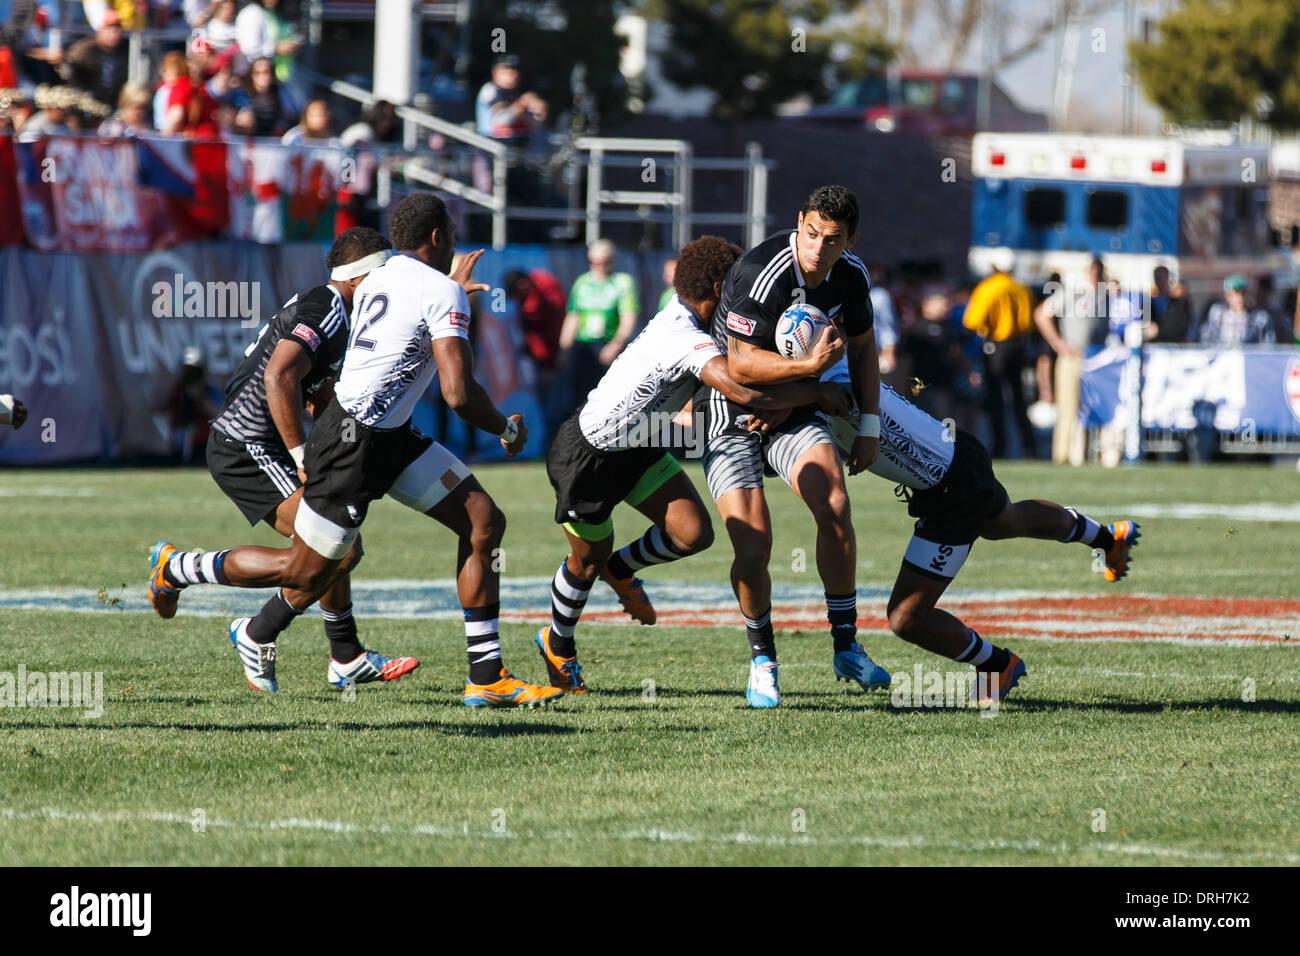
x=353, y=270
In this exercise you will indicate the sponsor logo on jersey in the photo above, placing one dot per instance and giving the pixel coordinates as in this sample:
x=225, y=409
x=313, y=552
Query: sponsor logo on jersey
x=706, y=345
x=305, y=333
x=460, y=320
x=738, y=323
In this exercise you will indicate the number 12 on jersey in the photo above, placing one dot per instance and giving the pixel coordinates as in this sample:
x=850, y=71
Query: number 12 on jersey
x=370, y=309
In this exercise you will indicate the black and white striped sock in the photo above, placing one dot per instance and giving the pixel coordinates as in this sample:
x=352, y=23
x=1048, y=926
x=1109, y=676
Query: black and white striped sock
x=195, y=567
x=762, y=642
x=985, y=656
x=653, y=547
x=341, y=631
x=483, y=644
x=1090, y=532
x=569, y=595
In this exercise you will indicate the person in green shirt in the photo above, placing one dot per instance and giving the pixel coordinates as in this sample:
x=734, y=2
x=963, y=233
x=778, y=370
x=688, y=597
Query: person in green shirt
x=600, y=320
x=670, y=275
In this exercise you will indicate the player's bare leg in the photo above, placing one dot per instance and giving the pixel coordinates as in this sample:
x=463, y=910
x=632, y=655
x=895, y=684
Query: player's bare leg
x=570, y=589
x=677, y=509
x=305, y=577
x=1035, y=518
x=748, y=522
x=914, y=617
x=303, y=574
x=350, y=662
x=680, y=526
x=479, y=525
x=817, y=477
x=469, y=512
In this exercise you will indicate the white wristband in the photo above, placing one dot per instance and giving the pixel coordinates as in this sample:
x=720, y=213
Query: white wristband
x=869, y=426
x=6, y=409
x=511, y=433
x=298, y=454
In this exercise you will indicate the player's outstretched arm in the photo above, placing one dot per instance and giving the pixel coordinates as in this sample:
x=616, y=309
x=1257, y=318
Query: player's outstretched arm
x=285, y=370
x=751, y=364
x=469, y=400
x=864, y=370
x=827, y=396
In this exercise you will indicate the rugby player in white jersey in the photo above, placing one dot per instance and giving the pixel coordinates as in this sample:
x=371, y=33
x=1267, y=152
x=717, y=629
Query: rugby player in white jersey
x=410, y=323
x=947, y=478
x=612, y=450
x=255, y=455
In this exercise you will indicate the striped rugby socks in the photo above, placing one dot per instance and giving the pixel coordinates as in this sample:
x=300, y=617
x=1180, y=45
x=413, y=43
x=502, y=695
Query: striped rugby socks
x=653, y=547
x=1089, y=532
x=569, y=595
x=482, y=643
x=195, y=567
x=982, y=654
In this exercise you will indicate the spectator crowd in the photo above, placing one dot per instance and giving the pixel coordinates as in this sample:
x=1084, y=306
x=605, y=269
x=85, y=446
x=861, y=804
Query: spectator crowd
x=1003, y=359
x=233, y=76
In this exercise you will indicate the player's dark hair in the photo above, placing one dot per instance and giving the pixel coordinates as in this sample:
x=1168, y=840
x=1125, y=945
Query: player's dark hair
x=513, y=278
x=355, y=243
x=838, y=203
x=414, y=220
x=701, y=264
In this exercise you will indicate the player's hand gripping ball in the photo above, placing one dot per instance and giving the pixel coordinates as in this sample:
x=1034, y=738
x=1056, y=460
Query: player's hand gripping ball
x=797, y=328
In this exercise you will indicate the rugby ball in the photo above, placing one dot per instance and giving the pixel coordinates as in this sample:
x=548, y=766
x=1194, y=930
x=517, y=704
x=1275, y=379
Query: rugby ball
x=797, y=328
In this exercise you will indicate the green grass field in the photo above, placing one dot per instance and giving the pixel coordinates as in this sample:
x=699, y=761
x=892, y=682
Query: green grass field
x=662, y=763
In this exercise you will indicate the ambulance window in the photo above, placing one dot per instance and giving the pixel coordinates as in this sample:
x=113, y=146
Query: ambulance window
x=1044, y=207
x=1107, y=209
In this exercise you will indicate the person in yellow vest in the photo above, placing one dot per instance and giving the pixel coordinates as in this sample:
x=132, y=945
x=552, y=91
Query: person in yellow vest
x=1001, y=312
x=130, y=15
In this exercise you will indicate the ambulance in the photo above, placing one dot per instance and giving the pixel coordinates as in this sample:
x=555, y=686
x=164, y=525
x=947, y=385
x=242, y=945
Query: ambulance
x=1196, y=205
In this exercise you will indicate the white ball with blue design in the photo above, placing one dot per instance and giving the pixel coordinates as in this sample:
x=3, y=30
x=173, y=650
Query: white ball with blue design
x=798, y=328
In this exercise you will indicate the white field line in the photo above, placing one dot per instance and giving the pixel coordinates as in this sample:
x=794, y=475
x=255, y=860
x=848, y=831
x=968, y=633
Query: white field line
x=653, y=835
x=1194, y=510
x=43, y=492
x=1166, y=675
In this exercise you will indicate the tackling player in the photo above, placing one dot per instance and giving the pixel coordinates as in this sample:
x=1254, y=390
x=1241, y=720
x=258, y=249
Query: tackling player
x=949, y=484
x=808, y=264
x=610, y=451
x=255, y=455
x=410, y=323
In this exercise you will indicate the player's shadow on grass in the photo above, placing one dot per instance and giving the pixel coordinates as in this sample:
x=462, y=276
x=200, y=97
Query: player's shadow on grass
x=1122, y=706
x=446, y=729
x=830, y=704
x=1119, y=706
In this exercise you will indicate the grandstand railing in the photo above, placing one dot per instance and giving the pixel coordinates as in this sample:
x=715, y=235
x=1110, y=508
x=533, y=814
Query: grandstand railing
x=595, y=154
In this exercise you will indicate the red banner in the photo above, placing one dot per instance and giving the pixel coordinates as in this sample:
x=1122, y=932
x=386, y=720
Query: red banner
x=11, y=220
x=82, y=194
